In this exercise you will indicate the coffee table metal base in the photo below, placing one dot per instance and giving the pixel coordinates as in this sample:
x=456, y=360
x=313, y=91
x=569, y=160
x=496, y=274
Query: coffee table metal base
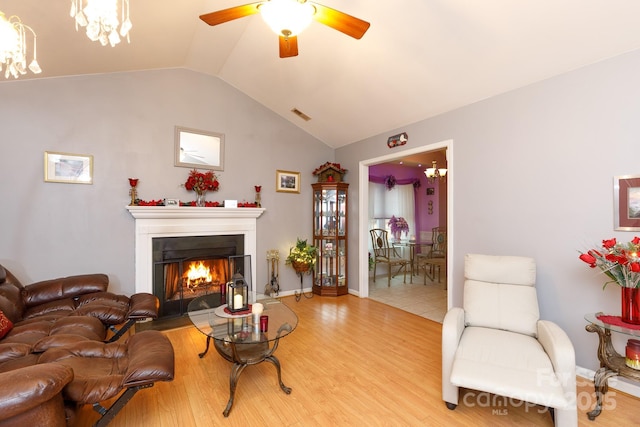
x=243, y=355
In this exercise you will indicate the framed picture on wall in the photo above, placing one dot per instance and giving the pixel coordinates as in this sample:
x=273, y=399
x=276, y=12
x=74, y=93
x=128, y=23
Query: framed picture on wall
x=68, y=168
x=626, y=202
x=287, y=181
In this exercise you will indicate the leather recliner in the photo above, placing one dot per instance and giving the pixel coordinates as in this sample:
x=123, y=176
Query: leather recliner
x=32, y=396
x=104, y=370
x=77, y=296
x=496, y=343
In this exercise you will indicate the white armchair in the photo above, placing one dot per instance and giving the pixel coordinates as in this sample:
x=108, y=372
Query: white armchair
x=497, y=343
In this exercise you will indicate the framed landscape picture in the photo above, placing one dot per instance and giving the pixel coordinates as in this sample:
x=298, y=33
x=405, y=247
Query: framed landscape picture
x=287, y=181
x=626, y=202
x=68, y=168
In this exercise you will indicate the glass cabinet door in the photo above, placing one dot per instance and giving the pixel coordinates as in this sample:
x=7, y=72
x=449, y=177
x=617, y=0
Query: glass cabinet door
x=330, y=238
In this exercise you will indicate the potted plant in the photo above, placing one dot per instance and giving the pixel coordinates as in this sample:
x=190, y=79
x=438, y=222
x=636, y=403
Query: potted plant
x=302, y=257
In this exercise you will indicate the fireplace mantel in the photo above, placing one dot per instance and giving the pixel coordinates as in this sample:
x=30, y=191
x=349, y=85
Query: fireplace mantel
x=163, y=221
x=164, y=212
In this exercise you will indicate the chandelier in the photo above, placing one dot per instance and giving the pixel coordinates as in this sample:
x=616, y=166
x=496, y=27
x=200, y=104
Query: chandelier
x=287, y=18
x=434, y=173
x=13, y=47
x=101, y=19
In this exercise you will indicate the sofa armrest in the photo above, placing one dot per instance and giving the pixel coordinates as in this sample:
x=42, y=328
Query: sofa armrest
x=558, y=346
x=452, y=329
x=26, y=388
x=143, y=306
x=64, y=287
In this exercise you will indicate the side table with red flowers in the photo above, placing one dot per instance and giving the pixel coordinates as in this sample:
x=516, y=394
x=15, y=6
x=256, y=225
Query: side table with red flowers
x=611, y=362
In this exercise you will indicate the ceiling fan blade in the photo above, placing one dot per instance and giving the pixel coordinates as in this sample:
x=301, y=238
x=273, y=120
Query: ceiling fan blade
x=288, y=46
x=226, y=15
x=340, y=21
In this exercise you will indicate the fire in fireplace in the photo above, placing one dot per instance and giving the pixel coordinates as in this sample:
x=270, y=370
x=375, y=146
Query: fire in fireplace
x=187, y=267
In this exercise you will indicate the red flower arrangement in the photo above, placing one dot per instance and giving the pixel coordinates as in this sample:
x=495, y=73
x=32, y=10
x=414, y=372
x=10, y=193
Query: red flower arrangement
x=619, y=261
x=201, y=182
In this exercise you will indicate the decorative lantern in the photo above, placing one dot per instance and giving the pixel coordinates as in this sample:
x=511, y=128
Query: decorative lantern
x=237, y=294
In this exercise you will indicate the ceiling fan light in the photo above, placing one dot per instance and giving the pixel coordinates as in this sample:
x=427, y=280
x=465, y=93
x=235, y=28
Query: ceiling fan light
x=287, y=17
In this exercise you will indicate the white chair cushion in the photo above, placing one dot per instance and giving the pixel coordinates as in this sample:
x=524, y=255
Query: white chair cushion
x=499, y=293
x=515, y=270
x=507, y=364
x=507, y=307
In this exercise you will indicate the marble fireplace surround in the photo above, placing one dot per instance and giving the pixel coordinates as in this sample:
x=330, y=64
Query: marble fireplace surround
x=162, y=221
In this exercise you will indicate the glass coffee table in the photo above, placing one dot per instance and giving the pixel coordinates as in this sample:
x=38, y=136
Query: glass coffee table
x=238, y=339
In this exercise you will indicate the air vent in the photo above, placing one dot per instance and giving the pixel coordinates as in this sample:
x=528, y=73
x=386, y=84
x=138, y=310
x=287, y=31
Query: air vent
x=300, y=114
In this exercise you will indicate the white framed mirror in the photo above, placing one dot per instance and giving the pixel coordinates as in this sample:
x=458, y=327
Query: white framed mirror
x=199, y=149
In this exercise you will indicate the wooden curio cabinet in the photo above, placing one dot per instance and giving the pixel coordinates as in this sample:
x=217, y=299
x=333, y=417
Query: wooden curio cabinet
x=330, y=237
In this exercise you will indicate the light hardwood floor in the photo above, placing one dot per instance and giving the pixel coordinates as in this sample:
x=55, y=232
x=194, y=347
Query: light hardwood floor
x=350, y=362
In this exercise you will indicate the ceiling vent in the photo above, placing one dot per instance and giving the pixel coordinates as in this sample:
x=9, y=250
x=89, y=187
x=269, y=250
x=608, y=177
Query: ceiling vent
x=300, y=114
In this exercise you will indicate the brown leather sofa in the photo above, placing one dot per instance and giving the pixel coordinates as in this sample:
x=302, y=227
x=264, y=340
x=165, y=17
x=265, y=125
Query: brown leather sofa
x=65, y=321
x=42, y=405
x=80, y=295
x=105, y=370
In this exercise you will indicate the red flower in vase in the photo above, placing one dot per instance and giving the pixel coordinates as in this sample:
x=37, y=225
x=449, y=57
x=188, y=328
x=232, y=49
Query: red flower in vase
x=201, y=182
x=620, y=262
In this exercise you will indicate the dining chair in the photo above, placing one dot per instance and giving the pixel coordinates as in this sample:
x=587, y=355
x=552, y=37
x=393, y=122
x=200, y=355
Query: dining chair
x=383, y=253
x=436, y=259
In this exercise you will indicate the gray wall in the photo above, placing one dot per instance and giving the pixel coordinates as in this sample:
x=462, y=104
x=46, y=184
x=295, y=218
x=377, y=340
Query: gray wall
x=126, y=121
x=533, y=175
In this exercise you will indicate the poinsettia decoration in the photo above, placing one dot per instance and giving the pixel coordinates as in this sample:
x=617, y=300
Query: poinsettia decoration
x=201, y=182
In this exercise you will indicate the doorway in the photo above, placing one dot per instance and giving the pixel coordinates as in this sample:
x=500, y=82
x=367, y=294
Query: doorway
x=363, y=238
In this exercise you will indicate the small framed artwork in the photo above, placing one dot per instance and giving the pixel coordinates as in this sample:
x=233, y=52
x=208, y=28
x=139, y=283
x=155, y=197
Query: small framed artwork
x=198, y=149
x=68, y=168
x=287, y=181
x=626, y=202
x=431, y=191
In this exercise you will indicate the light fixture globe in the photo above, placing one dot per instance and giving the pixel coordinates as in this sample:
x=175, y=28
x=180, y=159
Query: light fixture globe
x=287, y=18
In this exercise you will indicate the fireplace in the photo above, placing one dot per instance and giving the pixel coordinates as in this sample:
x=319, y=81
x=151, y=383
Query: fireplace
x=187, y=267
x=163, y=222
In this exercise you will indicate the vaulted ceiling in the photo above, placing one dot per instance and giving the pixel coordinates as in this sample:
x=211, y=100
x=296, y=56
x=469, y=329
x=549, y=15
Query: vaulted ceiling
x=419, y=58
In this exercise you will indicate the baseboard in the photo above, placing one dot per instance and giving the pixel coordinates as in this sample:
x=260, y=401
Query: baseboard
x=614, y=382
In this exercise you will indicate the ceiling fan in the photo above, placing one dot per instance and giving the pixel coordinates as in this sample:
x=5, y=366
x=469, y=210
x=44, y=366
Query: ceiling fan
x=288, y=18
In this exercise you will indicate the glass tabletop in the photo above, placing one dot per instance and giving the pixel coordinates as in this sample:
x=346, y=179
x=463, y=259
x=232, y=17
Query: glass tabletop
x=593, y=318
x=240, y=329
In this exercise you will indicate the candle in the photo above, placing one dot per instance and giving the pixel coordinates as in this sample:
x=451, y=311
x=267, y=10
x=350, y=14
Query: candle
x=257, y=308
x=237, y=302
